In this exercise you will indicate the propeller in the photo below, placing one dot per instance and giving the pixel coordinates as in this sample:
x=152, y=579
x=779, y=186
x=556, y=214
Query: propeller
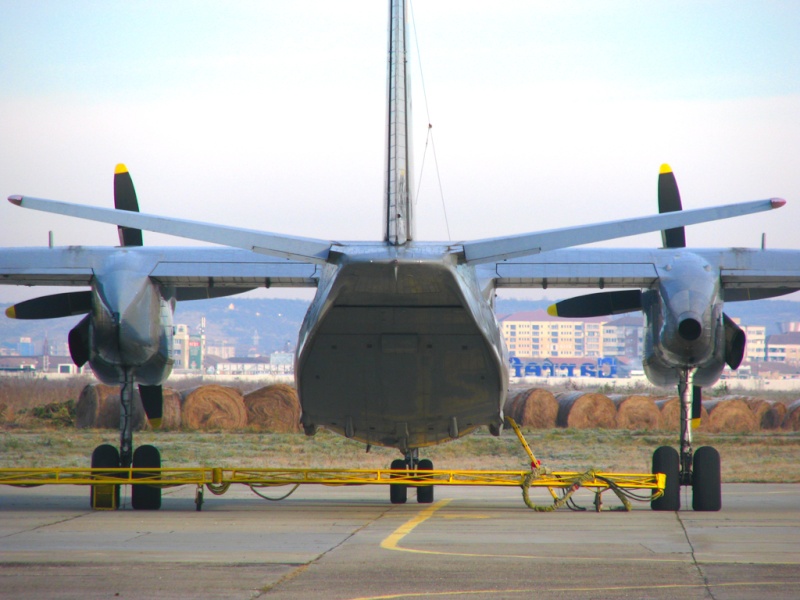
x=617, y=302
x=125, y=199
x=153, y=403
x=669, y=200
x=598, y=305
x=52, y=307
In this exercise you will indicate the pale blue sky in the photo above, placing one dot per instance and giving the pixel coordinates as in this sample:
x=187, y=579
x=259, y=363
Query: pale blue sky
x=271, y=114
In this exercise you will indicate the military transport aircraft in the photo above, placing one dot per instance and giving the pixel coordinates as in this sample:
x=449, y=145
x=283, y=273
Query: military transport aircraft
x=400, y=346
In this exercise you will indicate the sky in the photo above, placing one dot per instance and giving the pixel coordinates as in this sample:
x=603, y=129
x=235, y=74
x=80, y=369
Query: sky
x=271, y=115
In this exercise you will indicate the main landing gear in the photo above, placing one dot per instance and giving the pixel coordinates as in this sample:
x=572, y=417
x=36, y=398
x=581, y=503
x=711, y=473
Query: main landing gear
x=143, y=496
x=398, y=492
x=700, y=469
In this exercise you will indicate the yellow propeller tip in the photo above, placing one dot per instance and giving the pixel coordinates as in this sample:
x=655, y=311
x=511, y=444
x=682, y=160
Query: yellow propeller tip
x=552, y=310
x=120, y=168
x=665, y=168
x=11, y=312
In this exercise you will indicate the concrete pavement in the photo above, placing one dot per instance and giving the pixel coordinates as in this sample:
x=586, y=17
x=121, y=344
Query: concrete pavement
x=350, y=542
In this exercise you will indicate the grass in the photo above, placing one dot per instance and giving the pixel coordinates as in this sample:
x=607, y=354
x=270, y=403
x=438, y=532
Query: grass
x=756, y=457
x=36, y=431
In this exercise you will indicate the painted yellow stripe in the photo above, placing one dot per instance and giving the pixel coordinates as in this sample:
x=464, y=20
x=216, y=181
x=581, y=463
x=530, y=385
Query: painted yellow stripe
x=390, y=543
x=120, y=168
x=538, y=591
x=665, y=168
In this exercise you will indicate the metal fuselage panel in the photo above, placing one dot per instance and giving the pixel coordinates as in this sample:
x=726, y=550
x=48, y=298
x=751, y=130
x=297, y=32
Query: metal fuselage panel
x=400, y=353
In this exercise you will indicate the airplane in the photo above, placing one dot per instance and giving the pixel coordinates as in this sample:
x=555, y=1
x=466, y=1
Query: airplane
x=400, y=346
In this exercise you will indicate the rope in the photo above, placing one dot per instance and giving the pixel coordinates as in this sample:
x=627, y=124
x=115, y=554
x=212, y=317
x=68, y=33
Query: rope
x=559, y=502
x=286, y=495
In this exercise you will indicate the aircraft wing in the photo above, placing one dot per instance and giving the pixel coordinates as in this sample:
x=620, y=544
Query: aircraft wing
x=742, y=271
x=182, y=267
x=526, y=244
x=475, y=252
x=283, y=246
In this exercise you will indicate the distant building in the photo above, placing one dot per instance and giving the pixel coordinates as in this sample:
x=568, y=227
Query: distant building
x=538, y=334
x=25, y=347
x=784, y=347
x=188, y=349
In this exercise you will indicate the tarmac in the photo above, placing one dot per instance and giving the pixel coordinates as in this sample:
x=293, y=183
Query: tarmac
x=351, y=543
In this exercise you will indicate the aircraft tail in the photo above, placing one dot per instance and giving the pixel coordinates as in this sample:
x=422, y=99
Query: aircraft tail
x=398, y=193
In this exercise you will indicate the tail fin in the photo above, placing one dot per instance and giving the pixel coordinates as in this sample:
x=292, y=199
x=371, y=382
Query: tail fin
x=398, y=206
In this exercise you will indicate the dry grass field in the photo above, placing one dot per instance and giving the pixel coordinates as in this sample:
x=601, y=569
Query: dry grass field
x=35, y=435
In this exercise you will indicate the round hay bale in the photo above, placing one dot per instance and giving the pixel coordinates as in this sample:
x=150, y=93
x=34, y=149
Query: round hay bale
x=792, y=421
x=671, y=414
x=582, y=410
x=171, y=411
x=730, y=416
x=98, y=407
x=532, y=407
x=636, y=412
x=273, y=408
x=769, y=414
x=213, y=407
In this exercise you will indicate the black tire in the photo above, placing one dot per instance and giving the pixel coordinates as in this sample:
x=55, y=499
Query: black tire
x=706, y=480
x=398, y=492
x=104, y=456
x=425, y=493
x=667, y=461
x=146, y=497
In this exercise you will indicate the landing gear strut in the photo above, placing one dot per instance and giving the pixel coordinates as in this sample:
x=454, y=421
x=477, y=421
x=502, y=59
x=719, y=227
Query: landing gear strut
x=398, y=492
x=700, y=470
x=143, y=497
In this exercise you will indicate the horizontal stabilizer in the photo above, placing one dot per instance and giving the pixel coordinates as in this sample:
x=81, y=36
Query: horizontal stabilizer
x=600, y=304
x=52, y=307
x=498, y=249
x=273, y=244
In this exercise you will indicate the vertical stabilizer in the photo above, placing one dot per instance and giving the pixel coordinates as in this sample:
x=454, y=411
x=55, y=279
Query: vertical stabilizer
x=398, y=216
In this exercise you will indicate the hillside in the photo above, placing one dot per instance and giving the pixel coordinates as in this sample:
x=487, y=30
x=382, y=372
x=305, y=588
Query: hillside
x=235, y=320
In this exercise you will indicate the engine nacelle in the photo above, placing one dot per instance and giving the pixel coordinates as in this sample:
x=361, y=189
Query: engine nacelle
x=685, y=327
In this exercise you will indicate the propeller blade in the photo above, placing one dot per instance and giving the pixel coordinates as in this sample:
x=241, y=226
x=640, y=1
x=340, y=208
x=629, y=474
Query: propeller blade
x=153, y=403
x=669, y=200
x=125, y=199
x=598, y=305
x=79, y=342
x=697, y=405
x=52, y=307
x=735, y=341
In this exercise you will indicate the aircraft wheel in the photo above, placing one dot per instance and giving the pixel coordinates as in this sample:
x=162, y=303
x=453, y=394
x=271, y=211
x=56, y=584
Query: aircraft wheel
x=146, y=497
x=425, y=493
x=105, y=496
x=667, y=461
x=706, y=480
x=398, y=492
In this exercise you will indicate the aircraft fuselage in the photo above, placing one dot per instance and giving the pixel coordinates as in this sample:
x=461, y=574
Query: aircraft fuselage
x=401, y=348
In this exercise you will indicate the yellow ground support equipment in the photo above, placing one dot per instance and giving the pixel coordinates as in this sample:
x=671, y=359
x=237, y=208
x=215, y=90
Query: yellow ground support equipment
x=561, y=484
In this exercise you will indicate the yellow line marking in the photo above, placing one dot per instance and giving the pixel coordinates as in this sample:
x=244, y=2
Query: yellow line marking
x=543, y=590
x=390, y=543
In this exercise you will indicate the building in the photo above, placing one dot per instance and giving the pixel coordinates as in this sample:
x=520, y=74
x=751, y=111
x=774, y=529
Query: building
x=784, y=347
x=188, y=349
x=538, y=334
